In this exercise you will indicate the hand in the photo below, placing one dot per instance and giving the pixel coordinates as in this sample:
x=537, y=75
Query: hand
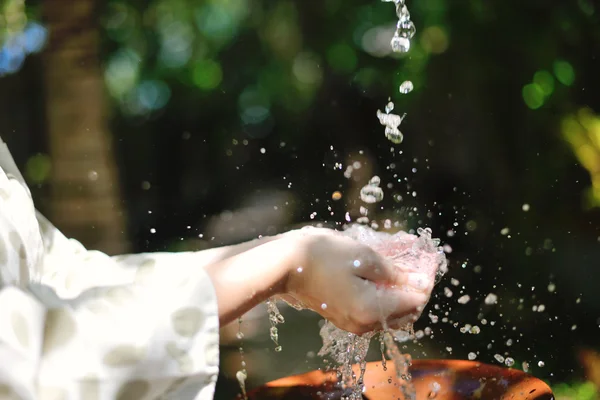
x=350, y=284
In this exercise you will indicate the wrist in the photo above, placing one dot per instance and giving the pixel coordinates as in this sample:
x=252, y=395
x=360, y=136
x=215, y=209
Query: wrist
x=251, y=277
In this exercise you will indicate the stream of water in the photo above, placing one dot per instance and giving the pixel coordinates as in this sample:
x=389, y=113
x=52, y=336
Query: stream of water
x=346, y=349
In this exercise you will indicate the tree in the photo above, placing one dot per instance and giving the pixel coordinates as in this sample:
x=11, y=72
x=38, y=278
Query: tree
x=85, y=196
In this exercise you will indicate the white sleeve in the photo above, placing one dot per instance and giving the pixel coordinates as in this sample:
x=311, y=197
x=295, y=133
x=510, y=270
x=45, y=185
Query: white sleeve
x=89, y=326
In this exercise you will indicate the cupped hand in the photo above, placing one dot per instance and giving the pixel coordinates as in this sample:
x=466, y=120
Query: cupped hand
x=350, y=284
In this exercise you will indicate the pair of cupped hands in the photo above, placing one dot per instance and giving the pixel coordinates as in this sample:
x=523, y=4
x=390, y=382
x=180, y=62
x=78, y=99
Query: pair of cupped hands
x=349, y=283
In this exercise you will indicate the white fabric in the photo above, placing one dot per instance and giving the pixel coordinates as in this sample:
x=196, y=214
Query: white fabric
x=80, y=325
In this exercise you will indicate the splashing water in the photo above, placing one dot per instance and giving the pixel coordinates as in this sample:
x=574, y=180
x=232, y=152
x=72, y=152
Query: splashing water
x=371, y=192
x=405, y=28
x=391, y=123
x=406, y=87
x=241, y=377
x=408, y=253
x=275, y=318
x=242, y=374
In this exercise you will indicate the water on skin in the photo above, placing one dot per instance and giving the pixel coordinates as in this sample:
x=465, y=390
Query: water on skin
x=346, y=349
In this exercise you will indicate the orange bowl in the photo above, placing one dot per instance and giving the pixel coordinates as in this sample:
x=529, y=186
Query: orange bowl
x=439, y=379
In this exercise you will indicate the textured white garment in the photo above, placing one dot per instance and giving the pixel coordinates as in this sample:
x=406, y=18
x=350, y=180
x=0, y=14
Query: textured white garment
x=80, y=325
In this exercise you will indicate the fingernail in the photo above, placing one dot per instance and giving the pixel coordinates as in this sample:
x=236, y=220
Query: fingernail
x=418, y=281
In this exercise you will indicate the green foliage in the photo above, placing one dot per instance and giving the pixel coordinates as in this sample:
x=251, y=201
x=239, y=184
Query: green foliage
x=575, y=391
x=38, y=168
x=564, y=72
x=193, y=41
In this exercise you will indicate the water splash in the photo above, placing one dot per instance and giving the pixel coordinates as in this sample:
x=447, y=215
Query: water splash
x=242, y=374
x=371, y=192
x=241, y=377
x=275, y=318
x=405, y=28
x=406, y=87
x=391, y=123
x=407, y=252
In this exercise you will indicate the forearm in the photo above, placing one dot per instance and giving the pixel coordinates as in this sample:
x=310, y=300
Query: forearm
x=218, y=254
x=243, y=281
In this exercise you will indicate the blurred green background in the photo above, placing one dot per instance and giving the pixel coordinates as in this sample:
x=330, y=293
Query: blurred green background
x=187, y=124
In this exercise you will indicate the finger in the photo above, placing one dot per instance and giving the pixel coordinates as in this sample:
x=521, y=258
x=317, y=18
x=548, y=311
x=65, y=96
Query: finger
x=374, y=268
x=394, y=303
x=369, y=265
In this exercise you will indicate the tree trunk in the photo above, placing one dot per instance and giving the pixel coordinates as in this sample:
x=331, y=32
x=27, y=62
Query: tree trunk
x=85, y=198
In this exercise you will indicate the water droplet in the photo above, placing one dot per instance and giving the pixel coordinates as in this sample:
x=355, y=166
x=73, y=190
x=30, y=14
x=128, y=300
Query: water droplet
x=356, y=263
x=509, y=362
x=93, y=176
x=471, y=356
x=406, y=87
x=336, y=196
x=263, y=150
x=273, y=332
x=391, y=123
x=551, y=287
x=152, y=230
x=241, y=377
x=389, y=107
x=435, y=388
x=239, y=335
x=299, y=269
x=499, y=358
x=323, y=306
x=400, y=44
x=371, y=194
x=278, y=349
x=541, y=364
x=464, y=299
x=405, y=27
x=491, y=299
x=525, y=366
x=505, y=231
x=394, y=135
x=526, y=207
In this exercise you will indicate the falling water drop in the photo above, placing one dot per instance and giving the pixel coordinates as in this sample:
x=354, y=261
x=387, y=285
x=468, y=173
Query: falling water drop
x=406, y=87
x=241, y=377
x=400, y=44
x=371, y=192
x=491, y=299
x=275, y=318
x=391, y=123
x=389, y=107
